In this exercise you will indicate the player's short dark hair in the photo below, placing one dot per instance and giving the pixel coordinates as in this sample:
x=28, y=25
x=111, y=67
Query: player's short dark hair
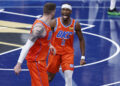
x=49, y=7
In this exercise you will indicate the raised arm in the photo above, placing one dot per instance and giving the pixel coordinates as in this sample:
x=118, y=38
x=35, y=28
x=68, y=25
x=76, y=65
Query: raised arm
x=82, y=42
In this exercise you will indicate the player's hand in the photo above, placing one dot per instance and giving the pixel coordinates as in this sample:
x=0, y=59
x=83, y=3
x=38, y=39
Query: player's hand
x=52, y=49
x=82, y=62
x=17, y=68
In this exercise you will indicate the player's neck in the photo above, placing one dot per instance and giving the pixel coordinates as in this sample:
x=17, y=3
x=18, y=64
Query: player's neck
x=66, y=22
x=45, y=18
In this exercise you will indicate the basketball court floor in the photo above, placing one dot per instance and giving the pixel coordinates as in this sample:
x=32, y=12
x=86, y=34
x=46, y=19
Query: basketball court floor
x=101, y=33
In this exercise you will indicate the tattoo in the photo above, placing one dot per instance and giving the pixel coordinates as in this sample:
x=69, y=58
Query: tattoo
x=38, y=32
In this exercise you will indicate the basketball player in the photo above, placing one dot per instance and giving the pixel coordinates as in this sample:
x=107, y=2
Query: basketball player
x=63, y=37
x=36, y=48
x=112, y=10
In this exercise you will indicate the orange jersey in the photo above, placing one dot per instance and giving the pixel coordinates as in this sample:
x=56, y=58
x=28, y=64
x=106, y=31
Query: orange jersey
x=63, y=37
x=39, y=50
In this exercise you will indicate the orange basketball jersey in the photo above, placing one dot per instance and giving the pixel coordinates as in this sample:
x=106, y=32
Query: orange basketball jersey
x=63, y=37
x=39, y=50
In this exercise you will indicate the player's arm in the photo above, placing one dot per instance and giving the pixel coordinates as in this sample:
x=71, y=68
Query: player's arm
x=52, y=25
x=37, y=32
x=82, y=42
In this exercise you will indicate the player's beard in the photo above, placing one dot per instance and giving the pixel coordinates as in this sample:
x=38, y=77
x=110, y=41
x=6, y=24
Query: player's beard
x=65, y=18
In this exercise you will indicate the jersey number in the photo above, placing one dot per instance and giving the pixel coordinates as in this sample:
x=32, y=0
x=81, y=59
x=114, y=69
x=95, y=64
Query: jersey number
x=64, y=35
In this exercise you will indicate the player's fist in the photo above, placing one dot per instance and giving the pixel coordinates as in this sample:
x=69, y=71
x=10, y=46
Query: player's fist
x=17, y=68
x=82, y=62
x=52, y=49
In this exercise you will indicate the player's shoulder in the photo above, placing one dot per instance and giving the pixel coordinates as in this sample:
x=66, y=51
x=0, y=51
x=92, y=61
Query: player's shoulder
x=77, y=22
x=38, y=26
x=36, y=21
x=38, y=30
x=77, y=25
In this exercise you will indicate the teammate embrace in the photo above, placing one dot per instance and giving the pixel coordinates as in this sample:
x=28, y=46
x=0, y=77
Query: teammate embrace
x=61, y=47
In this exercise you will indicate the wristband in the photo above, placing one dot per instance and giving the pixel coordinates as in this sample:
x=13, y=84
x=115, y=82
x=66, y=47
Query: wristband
x=82, y=57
